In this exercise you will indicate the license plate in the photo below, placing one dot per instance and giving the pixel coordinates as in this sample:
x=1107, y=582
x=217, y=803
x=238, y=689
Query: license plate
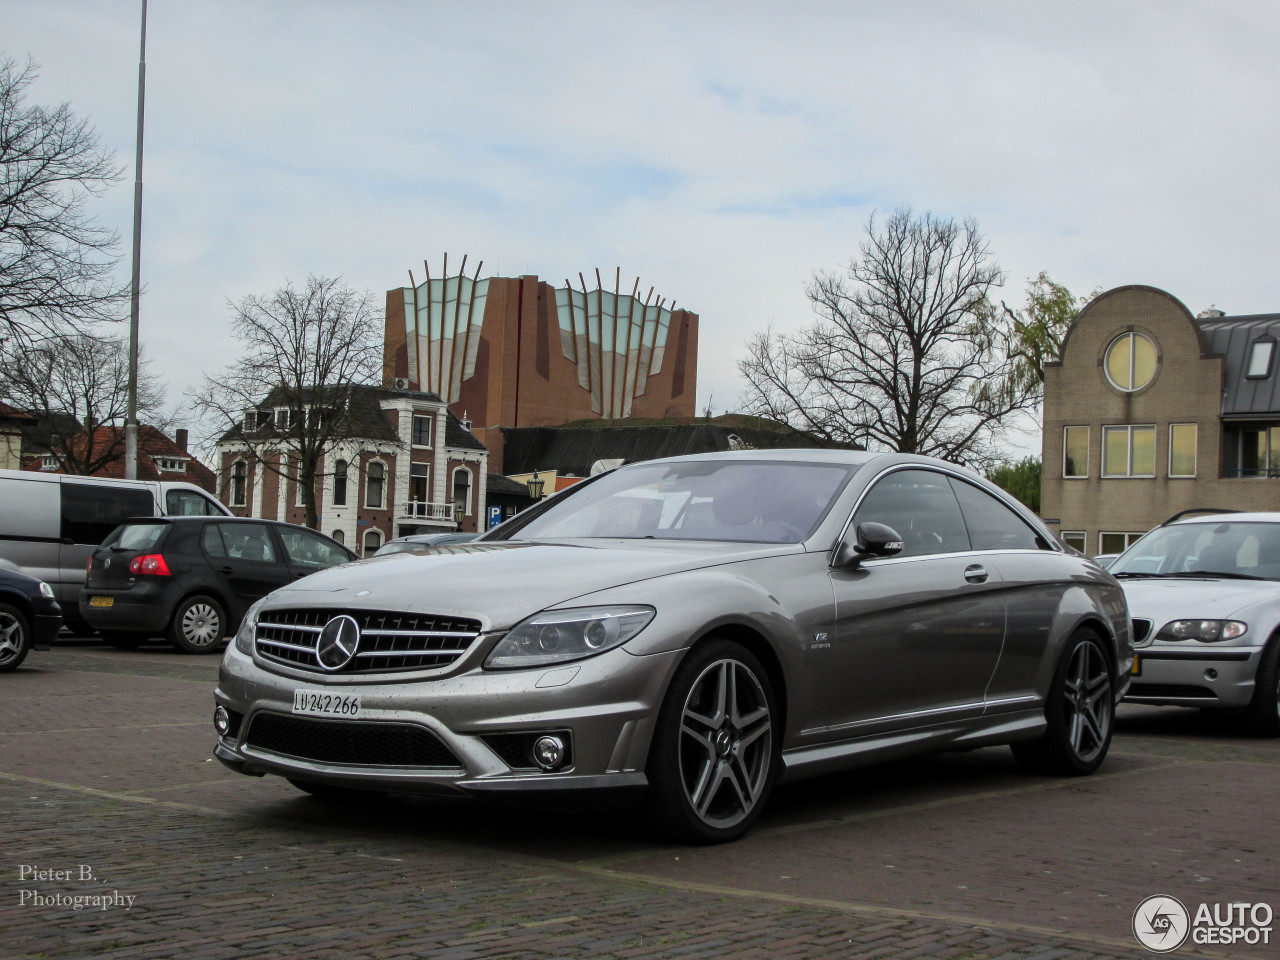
x=102, y=601
x=1136, y=671
x=318, y=703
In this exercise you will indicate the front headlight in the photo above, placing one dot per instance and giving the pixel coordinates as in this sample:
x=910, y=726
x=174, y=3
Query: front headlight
x=244, y=636
x=46, y=590
x=557, y=636
x=1206, y=631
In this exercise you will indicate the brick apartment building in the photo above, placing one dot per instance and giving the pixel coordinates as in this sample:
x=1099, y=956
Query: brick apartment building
x=518, y=352
x=1151, y=411
x=411, y=467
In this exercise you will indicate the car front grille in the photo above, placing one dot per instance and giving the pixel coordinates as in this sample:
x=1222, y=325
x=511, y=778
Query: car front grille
x=389, y=642
x=353, y=742
x=1141, y=629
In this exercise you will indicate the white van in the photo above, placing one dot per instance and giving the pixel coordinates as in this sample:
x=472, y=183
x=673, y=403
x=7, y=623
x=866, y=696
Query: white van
x=50, y=523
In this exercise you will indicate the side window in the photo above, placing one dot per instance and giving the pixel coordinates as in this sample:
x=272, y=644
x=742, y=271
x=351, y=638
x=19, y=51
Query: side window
x=921, y=507
x=211, y=540
x=992, y=525
x=91, y=511
x=311, y=551
x=247, y=541
x=188, y=503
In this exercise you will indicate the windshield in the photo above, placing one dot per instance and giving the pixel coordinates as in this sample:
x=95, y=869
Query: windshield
x=745, y=501
x=1230, y=549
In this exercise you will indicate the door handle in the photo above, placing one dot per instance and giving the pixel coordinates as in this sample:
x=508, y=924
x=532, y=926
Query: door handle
x=976, y=573
x=226, y=569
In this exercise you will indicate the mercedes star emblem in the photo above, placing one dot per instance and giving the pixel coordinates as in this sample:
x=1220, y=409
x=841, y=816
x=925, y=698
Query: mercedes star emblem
x=338, y=643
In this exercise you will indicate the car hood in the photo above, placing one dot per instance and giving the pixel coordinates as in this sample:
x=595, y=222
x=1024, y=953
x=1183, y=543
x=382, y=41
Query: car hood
x=503, y=582
x=1184, y=598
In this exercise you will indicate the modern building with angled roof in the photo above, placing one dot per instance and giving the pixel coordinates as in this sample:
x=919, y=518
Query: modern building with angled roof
x=510, y=352
x=1151, y=411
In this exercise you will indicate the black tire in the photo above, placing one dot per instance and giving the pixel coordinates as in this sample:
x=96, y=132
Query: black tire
x=1080, y=712
x=199, y=625
x=716, y=749
x=123, y=639
x=335, y=794
x=15, y=637
x=1263, y=714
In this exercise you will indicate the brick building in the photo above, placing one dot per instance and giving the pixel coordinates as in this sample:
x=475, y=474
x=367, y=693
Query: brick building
x=518, y=352
x=160, y=457
x=410, y=467
x=1151, y=411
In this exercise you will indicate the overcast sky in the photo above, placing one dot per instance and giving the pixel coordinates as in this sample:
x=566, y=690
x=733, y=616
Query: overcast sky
x=721, y=152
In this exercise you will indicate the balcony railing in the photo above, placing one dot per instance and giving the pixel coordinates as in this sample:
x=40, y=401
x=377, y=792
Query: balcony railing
x=422, y=510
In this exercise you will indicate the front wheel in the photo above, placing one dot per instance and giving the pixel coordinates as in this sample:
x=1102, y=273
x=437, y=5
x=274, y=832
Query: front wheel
x=1263, y=713
x=198, y=625
x=15, y=637
x=1080, y=710
x=715, y=750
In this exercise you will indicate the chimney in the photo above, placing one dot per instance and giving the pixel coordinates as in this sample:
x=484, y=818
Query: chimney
x=180, y=438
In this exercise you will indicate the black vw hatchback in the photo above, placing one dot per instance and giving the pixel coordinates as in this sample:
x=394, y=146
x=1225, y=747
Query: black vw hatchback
x=191, y=579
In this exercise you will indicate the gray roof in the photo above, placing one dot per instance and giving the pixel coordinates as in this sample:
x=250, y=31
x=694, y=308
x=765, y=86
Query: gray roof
x=1231, y=338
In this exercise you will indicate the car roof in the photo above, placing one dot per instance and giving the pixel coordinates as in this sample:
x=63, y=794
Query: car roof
x=1256, y=517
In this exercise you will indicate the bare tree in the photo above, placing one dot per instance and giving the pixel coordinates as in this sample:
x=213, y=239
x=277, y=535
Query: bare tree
x=304, y=348
x=56, y=263
x=907, y=352
x=73, y=384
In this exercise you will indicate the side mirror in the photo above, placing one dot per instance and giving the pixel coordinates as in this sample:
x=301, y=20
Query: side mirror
x=871, y=540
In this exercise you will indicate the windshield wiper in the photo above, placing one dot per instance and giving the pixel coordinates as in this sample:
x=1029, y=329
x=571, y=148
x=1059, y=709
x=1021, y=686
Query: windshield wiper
x=1138, y=576
x=1217, y=573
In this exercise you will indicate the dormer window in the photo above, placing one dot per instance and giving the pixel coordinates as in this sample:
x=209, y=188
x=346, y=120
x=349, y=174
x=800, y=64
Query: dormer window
x=1260, y=354
x=170, y=465
x=250, y=420
x=48, y=463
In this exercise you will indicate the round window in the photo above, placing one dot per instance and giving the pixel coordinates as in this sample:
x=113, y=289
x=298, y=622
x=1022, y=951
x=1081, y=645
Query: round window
x=1131, y=362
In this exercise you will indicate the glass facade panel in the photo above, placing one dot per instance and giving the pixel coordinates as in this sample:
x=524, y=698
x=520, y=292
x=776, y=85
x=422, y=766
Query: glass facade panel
x=1182, y=450
x=1115, y=451
x=1075, y=444
x=1143, y=460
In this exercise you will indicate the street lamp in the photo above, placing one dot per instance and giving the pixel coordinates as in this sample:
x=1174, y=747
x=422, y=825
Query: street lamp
x=458, y=510
x=536, y=485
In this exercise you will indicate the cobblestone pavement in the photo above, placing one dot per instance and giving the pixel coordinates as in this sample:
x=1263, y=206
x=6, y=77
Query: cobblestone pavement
x=104, y=767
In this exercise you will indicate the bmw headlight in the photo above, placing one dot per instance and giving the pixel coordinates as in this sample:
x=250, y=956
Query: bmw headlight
x=1206, y=631
x=557, y=636
x=244, y=636
x=46, y=590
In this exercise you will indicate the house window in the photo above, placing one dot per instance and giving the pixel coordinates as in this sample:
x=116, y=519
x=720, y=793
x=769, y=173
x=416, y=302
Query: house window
x=299, y=485
x=1182, y=449
x=170, y=465
x=239, y=481
x=250, y=420
x=1259, y=452
x=339, y=536
x=372, y=541
x=418, y=476
x=375, y=484
x=282, y=418
x=1075, y=452
x=1116, y=542
x=1129, y=451
x=421, y=431
x=48, y=462
x=1131, y=362
x=1074, y=539
x=1260, y=352
x=462, y=489
x=340, y=483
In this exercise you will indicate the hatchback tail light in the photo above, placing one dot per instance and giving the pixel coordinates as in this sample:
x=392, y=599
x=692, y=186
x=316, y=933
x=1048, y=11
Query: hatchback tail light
x=88, y=567
x=151, y=564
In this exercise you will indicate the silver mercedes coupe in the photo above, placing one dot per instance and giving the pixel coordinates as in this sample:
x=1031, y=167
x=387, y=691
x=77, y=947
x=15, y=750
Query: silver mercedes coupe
x=699, y=628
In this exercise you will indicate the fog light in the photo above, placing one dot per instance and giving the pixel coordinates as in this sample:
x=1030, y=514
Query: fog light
x=221, y=721
x=548, y=752
x=1211, y=674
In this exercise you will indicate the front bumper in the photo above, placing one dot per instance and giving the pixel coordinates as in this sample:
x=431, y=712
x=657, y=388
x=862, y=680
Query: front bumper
x=607, y=704
x=46, y=627
x=1195, y=674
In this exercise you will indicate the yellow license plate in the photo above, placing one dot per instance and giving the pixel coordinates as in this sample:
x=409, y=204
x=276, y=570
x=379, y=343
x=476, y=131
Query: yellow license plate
x=102, y=601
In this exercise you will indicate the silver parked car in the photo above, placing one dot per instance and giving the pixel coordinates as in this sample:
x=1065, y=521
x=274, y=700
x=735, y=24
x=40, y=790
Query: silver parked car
x=1205, y=597
x=700, y=627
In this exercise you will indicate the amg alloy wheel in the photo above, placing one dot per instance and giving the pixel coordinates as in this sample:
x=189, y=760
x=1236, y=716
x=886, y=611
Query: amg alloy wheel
x=15, y=638
x=198, y=625
x=1079, y=712
x=714, y=755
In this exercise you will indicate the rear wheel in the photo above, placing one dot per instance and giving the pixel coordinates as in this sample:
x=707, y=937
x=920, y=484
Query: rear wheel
x=1080, y=710
x=124, y=639
x=198, y=625
x=15, y=637
x=715, y=750
x=1263, y=713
